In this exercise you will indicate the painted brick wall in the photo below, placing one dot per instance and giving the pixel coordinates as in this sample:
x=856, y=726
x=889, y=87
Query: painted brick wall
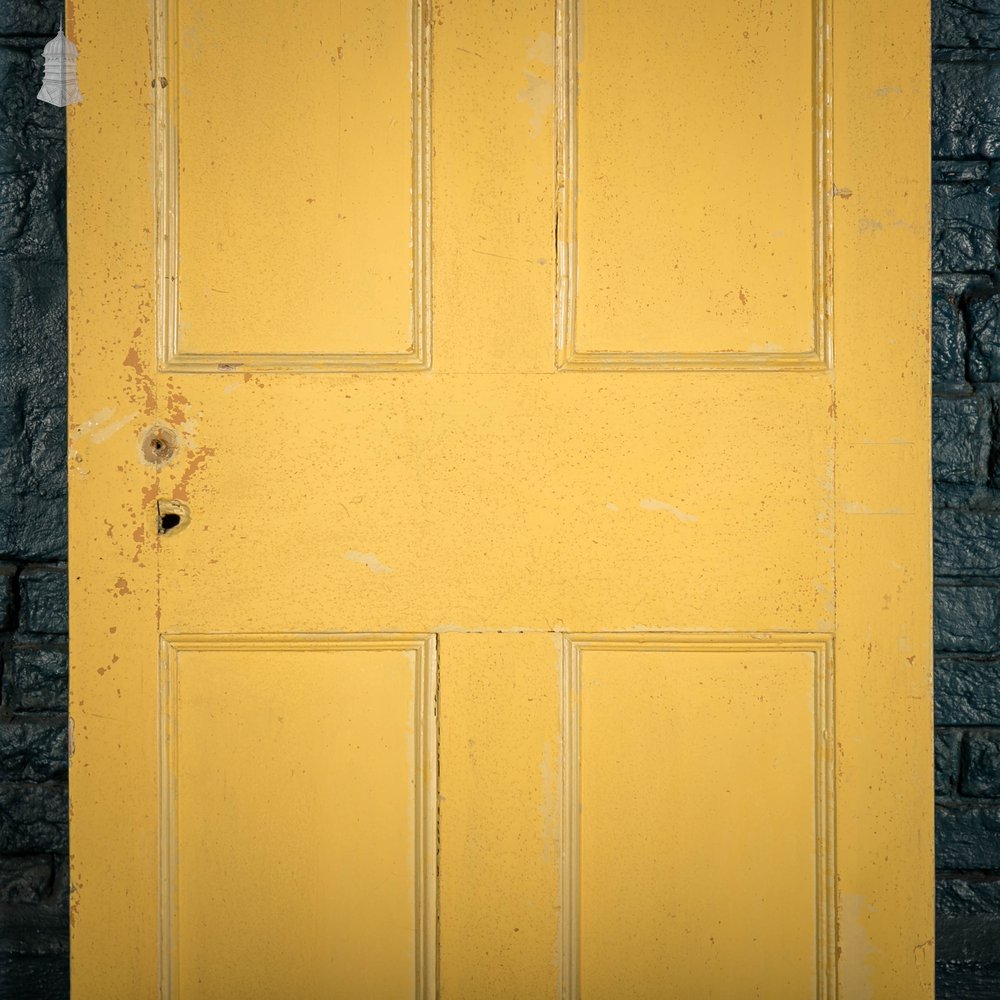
x=33, y=803
x=966, y=346
x=33, y=626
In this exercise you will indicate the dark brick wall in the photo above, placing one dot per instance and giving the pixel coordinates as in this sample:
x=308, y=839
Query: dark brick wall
x=966, y=346
x=33, y=804
x=33, y=626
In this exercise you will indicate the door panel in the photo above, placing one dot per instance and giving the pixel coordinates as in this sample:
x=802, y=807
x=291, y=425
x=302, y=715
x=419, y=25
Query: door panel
x=696, y=194
x=320, y=260
x=734, y=733
x=317, y=757
x=551, y=503
x=565, y=634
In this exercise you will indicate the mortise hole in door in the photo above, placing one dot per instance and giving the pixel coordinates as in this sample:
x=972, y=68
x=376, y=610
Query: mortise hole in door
x=171, y=516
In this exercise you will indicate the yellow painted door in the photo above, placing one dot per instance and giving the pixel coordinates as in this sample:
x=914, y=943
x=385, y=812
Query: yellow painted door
x=499, y=500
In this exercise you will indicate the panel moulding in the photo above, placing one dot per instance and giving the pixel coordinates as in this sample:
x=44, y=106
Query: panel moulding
x=821, y=648
x=424, y=648
x=568, y=357
x=171, y=355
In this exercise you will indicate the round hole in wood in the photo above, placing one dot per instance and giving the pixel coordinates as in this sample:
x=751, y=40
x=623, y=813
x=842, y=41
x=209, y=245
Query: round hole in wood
x=159, y=444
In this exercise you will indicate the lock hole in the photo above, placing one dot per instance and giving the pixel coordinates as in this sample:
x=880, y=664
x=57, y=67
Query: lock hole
x=168, y=522
x=171, y=516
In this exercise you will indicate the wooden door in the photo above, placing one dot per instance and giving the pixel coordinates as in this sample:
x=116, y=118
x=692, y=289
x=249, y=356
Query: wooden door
x=499, y=500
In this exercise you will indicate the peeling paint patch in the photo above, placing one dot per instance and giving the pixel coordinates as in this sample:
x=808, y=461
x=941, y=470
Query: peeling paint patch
x=144, y=390
x=100, y=426
x=539, y=93
x=856, y=948
x=198, y=457
x=860, y=508
x=110, y=430
x=99, y=418
x=670, y=509
x=368, y=559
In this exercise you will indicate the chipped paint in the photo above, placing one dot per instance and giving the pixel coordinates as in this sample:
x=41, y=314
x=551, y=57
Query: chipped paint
x=102, y=435
x=857, y=952
x=681, y=515
x=368, y=559
x=538, y=92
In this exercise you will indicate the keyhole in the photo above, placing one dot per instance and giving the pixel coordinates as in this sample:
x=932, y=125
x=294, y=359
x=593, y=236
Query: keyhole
x=168, y=521
x=171, y=516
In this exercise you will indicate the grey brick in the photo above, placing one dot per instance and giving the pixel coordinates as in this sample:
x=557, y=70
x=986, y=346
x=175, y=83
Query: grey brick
x=965, y=226
x=33, y=748
x=27, y=929
x=32, y=410
x=26, y=123
x=30, y=17
x=952, y=496
x=981, y=764
x=36, y=679
x=959, y=896
x=966, y=110
x=32, y=333
x=966, y=619
x=44, y=600
x=31, y=206
x=964, y=980
x=968, y=937
x=966, y=691
x=25, y=878
x=983, y=338
x=968, y=837
x=965, y=24
x=33, y=818
x=966, y=542
x=961, y=439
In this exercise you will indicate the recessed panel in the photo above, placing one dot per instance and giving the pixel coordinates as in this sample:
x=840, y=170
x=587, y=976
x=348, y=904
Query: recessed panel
x=298, y=817
x=613, y=502
x=692, y=161
x=698, y=810
x=293, y=185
